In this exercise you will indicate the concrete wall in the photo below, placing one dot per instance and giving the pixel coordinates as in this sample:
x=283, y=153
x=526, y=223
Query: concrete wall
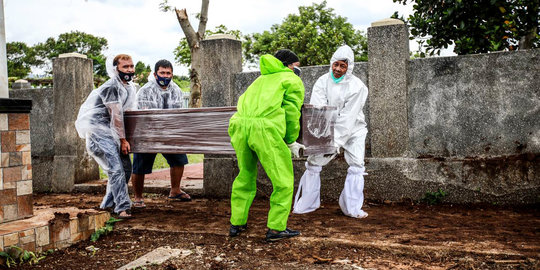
x=42, y=134
x=469, y=125
x=476, y=105
x=59, y=158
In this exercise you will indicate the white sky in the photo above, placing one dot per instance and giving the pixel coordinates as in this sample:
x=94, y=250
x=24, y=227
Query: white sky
x=138, y=28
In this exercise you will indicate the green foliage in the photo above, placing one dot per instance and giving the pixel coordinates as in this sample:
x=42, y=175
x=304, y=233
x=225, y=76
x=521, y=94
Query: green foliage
x=182, y=53
x=141, y=73
x=74, y=41
x=109, y=226
x=20, y=59
x=474, y=26
x=15, y=255
x=435, y=197
x=183, y=82
x=314, y=35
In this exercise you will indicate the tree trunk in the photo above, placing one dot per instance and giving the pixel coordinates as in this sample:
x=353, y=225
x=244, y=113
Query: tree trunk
x=195, y=85
x=193, y=39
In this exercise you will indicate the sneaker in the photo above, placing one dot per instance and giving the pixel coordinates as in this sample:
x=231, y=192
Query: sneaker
x=272, y=235
x=236, y=230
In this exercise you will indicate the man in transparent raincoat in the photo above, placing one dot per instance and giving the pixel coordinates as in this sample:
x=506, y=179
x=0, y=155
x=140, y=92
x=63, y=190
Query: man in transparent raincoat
x=160, y=92
x=339, y=88
x=265, y=128
x=101, y=123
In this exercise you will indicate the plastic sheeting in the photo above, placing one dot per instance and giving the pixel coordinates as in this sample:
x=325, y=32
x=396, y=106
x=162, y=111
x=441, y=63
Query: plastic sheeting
x=318, y=129
x=204, y=130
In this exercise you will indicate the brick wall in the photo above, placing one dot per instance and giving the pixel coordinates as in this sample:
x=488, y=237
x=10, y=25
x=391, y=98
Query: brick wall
x=16, y=167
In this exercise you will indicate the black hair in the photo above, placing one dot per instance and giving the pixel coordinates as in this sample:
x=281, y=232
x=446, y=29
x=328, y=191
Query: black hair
x=164, y=64
x=286, y=57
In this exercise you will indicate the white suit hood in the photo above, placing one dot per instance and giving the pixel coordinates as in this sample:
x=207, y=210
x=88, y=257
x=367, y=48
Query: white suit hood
x=344, y=53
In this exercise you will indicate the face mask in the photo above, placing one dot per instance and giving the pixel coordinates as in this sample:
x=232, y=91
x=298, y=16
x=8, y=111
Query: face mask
x=162, y=81
x=297, y=71
x=337, y=80
x=126, y=76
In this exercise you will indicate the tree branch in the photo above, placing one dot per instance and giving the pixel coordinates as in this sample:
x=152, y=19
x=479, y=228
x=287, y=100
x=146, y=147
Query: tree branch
x=188, y=30
x=203, y=19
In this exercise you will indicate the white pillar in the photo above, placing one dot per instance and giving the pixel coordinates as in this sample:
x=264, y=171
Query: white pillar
x=4, y=91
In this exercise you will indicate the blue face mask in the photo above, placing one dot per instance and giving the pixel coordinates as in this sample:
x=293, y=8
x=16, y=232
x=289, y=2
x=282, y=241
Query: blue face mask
x=337, y=80
x=162, y=81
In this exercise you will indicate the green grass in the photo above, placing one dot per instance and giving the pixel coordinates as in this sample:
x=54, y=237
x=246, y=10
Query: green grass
x=161, y=163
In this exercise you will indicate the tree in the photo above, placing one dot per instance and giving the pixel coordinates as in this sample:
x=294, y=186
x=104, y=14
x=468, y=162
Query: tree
x=193, y=39
x=74, y=41
x=477, y=26
x=314, y=34
x=20, y=59
x=141, y=73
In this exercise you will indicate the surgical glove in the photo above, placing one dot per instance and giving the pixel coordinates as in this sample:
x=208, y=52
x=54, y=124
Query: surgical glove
x=295, y=148
x=337, y=148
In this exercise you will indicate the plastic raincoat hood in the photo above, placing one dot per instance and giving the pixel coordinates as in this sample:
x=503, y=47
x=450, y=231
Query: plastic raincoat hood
x=344, y=53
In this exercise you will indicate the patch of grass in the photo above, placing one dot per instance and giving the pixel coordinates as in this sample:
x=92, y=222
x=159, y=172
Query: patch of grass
x=14, y=255
x=160, y=163
x=435, y=197
x=109, y=226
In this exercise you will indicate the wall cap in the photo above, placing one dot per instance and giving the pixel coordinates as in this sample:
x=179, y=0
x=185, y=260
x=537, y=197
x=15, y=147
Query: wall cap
x=385, y=22
x=221, y=36
x=73, y=54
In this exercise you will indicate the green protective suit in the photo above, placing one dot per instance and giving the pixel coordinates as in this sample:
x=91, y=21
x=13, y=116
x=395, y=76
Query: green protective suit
x=266, y=121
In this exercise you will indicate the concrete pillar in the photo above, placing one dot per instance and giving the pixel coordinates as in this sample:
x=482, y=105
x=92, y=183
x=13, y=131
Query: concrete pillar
x=72, y=82
x=221, y=57
x=388, y=55
x=4, y=91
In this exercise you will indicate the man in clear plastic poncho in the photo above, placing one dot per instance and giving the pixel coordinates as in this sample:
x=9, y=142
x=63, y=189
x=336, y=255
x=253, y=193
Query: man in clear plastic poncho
x=160, y=92
x=101, y=123
x=339, y=88
x=265, y=128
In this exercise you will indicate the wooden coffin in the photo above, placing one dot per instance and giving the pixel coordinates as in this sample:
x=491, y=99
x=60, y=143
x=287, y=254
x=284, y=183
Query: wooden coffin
x=204, y=130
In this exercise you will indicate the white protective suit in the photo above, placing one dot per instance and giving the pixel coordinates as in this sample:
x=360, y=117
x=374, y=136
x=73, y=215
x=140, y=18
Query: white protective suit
x=151, y=96
x=101, y=122
x=349, y=96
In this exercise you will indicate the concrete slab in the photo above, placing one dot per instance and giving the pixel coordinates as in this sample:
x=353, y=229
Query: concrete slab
x=156, y=256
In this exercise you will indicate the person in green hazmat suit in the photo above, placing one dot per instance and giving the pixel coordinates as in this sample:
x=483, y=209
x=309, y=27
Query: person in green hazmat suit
x=265, y=128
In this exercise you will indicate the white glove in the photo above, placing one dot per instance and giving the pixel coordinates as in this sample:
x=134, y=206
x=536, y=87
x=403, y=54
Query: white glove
x=295, y=149
x=337, y=148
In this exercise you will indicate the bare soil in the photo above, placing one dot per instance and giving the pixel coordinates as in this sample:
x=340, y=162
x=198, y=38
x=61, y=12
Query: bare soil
x=403, y=235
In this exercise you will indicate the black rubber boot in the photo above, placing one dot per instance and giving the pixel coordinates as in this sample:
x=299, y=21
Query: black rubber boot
x=272, y=236
x=236, y=230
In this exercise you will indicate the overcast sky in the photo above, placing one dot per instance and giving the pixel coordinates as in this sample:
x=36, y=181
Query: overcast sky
x=138, y=28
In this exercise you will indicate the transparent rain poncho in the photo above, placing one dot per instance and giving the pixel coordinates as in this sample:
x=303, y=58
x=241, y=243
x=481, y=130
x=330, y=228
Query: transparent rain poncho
x=101, y=122
x=349, y=97
x=152, y=96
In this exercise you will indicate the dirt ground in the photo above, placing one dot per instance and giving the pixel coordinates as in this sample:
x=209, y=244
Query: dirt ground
x=403, y=235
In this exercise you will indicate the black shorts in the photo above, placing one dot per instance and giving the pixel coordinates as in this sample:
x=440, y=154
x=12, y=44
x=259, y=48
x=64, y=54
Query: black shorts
x=143, y=162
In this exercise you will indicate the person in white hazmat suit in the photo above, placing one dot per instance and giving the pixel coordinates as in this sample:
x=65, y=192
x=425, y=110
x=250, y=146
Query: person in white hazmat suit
x=339, y=88
x=101, y=123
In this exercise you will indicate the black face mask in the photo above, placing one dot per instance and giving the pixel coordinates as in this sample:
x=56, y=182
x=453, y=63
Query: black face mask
x=126, y=76
x=297, y=71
